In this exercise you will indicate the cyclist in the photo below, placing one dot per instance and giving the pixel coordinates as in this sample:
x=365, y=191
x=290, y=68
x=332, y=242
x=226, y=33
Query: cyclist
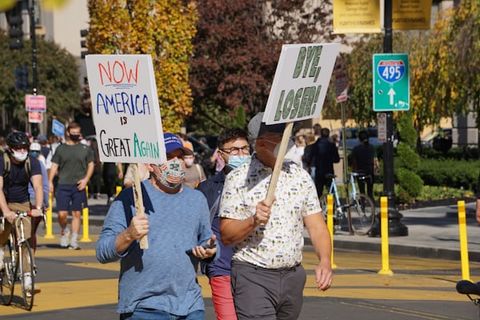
x=17, y=171
x=364, y=161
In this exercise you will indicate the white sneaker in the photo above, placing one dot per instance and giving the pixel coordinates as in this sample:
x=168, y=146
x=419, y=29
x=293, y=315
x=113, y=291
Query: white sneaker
x=65, y=238
x=74, y=242
x=1, y=258
x=27, y=281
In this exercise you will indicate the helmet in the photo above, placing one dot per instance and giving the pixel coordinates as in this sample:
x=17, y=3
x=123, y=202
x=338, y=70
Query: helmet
x=17, y=139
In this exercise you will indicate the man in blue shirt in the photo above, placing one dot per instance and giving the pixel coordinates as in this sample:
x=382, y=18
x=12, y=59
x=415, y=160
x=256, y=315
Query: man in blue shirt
x=160, y=282
x=234, y=149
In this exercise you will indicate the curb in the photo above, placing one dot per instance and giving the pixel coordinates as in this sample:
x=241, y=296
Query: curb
x=405, y=250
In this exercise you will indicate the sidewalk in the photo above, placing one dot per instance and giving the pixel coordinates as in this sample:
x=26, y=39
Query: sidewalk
x=433, y=232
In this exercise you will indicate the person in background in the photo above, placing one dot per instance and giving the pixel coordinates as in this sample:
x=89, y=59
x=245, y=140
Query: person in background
x=267, y=276
x=477, y=212
x=95, y=183
x=129, y=180
x=111, y=172
x=186, y=143
x=234, y=149
x=324, y=154
x=194, y=173
x=159, y=283
x=364, y=161
x=73, y=162
x=295, y=153
x=36, y=153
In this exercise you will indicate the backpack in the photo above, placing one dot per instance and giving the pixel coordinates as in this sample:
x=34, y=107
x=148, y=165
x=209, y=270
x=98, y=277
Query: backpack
x=7, y=165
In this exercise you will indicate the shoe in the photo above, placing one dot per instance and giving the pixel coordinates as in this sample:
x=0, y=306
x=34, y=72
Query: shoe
x=74, y=242
x=27, y=282
x=1, y=259
x=65, y=238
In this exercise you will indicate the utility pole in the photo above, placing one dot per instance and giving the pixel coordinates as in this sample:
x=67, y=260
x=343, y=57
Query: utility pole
x=33, y=38
x=395, y=227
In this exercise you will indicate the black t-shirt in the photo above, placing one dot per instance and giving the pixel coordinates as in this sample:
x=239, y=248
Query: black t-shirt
x=362, y=157
x=15, y=186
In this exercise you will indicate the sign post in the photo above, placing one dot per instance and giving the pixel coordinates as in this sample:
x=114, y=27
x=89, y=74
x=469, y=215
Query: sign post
x=298, y=91
x=126, y=113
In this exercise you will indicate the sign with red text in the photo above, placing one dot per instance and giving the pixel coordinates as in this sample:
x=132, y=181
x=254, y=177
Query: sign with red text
x=125, y=108
x=35, y=103
x=301, y=82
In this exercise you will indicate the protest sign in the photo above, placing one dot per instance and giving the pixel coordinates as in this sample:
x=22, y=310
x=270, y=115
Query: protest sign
x=301, y=82
x=125, y=108
x=58, y=128
x=298, y=91
x=126, y=114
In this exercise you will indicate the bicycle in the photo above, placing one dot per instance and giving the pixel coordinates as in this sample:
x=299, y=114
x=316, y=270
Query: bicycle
x=469, y=288
x=18, y=265
x=359, y=210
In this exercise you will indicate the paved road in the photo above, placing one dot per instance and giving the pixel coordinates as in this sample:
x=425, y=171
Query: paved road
x=75, y=286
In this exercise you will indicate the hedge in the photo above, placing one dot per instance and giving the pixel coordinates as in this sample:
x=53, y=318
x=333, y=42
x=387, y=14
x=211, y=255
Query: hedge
x=450, y=173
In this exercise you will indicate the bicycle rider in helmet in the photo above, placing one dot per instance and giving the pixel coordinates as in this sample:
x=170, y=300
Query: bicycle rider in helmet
x=15, y=176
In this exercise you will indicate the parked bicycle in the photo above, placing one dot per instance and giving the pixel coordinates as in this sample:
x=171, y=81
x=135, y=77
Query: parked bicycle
x=470, y=289
x=358, y=210
x=18, y=264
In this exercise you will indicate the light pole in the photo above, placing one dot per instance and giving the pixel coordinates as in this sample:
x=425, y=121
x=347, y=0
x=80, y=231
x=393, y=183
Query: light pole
x=31, y=11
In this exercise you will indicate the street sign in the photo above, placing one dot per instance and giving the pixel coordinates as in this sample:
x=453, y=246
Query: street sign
x=35, y=117
x=35, y=103
x=58, y=128
x=382, y=127
x=391, y=82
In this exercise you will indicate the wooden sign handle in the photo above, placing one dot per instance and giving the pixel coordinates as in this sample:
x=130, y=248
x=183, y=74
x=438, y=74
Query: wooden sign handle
x=138, y=197
x=278, y=164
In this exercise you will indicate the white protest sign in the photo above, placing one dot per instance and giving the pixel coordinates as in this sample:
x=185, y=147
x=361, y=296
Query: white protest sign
x=125, y=108
x=301, y=82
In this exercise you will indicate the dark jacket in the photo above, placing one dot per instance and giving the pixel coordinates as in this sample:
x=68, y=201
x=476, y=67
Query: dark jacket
x=324, y=154
x=212, y=189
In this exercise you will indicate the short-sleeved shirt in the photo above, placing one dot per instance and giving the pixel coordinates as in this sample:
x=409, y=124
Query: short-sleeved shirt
x=279, y=244
x=72, y=161
x=15, y=185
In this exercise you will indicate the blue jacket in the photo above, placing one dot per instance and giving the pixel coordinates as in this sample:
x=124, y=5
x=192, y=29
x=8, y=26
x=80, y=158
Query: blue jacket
x=212, y=189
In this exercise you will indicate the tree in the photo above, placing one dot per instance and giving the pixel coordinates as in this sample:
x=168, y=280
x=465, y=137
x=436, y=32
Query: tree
x=161, y=28
x=57, y=80
x=236, y=51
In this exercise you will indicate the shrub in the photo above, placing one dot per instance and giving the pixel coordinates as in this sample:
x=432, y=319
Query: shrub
x=410, y=185
x=450, y=173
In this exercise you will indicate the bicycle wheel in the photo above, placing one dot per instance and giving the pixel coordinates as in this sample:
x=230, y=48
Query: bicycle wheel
x=27, y=275
x=362, y=214
x=7, y=275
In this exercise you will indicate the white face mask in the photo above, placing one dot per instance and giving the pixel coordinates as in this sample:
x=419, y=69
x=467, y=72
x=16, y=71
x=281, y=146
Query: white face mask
x=20, y=155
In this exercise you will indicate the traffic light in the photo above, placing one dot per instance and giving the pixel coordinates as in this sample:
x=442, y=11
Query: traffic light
x=15, y=24
x=83, y=43
x=21, y=78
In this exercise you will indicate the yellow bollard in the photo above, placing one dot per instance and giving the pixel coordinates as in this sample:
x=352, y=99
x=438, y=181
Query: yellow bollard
x=384, y=229
x=118, y=190
x=86, y=191
x=85, y=236
x=330, y=225
x=49, y=219
x=462, y=227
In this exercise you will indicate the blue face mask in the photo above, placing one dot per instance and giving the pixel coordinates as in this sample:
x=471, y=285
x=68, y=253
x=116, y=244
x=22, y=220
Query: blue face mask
x=236, y=161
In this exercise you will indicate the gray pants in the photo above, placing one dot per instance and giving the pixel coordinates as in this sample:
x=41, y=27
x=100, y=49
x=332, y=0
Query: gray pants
x=267, y=294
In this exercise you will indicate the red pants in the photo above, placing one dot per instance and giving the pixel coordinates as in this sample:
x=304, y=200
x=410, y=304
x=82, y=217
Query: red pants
x=222, y=298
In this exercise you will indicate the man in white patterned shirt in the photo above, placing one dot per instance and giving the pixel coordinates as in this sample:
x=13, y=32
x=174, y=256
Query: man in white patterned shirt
x=267, y=277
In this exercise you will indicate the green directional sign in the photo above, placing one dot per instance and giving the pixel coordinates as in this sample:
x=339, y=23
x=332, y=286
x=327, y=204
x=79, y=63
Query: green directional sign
x=391, y=82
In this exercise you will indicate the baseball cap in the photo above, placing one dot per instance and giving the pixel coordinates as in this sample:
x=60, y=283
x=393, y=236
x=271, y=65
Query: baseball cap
x=173, y=142
x=256, y=127
x=42, y=138
x=35, y=146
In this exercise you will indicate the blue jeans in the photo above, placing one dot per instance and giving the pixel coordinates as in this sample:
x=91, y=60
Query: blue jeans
x=143, y=314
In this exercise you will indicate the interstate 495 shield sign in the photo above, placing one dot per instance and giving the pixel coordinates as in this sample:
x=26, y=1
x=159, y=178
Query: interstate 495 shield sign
x=391, y=82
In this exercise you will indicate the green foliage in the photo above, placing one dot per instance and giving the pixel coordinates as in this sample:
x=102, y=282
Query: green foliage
x=210, y=119
x=453, y=154
x=405, y=127
x=162, y=28
x=406, y=157
x=410, y=185
x=436, y=193
x=57, y=80
x=450, y=173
